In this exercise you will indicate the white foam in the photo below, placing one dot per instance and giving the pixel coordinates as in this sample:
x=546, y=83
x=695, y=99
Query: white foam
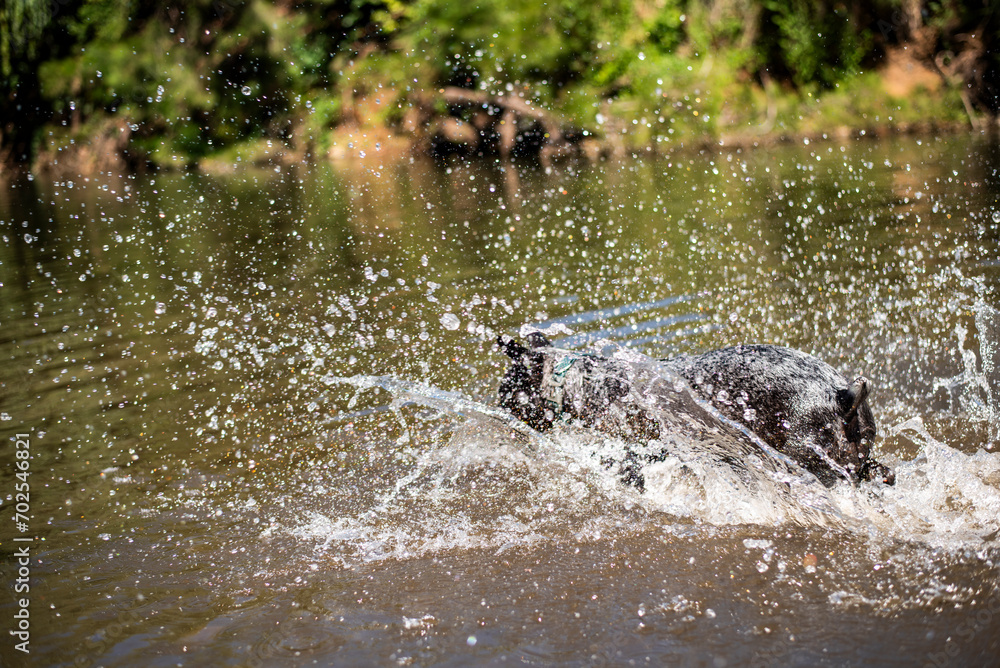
x=943, y=498
x=486, y=481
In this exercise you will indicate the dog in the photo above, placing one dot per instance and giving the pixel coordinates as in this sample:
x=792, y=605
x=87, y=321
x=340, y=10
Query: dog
x=794, y=402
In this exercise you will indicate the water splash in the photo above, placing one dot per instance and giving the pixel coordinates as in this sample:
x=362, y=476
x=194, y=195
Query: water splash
x=485, y=480
x=975, y=390
x=943, y=498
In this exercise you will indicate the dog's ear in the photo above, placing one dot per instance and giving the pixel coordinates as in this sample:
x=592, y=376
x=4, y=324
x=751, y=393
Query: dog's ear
x=853, y=397
x=510, y=347
x=538, y=340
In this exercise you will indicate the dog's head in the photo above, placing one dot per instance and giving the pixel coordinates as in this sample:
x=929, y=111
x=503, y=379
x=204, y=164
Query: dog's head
x=859, y=432
x=521, y=387
x=796, y=403
x=844, y=430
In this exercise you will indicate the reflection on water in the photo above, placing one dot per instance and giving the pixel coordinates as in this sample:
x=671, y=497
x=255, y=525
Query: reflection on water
x=265, y=428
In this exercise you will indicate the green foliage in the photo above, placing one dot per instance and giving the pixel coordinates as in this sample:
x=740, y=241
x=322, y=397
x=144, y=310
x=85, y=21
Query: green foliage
x=814, y=42
x=22, y=23
x=859, y=103
x=221, y=77
x=100, y=20
x=666, y=29
x=490, y=43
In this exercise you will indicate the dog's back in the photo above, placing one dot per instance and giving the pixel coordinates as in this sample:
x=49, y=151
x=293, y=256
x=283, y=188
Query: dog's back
x=795, y=402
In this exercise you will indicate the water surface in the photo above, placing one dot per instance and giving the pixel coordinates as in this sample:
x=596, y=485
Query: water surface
x=264, y=428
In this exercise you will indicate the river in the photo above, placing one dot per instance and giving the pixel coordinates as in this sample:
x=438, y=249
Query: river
x=263, y=427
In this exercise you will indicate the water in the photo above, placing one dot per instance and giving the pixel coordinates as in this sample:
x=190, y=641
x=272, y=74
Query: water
x=263, y=424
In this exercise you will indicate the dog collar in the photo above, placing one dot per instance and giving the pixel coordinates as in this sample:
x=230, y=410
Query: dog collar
x=554, y=375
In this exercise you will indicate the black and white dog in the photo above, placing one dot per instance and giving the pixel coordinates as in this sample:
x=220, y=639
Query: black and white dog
x=797, y=404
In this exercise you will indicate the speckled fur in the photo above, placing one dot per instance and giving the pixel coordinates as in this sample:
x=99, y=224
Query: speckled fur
x=796, y=403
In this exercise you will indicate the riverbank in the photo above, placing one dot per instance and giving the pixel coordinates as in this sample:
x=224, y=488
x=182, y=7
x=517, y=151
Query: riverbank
x=904, y=97
x=139, y=88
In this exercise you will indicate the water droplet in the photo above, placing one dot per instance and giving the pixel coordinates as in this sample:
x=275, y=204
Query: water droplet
x=161, y=308
x=450, y=321
x=996, y=216
x=246, y=90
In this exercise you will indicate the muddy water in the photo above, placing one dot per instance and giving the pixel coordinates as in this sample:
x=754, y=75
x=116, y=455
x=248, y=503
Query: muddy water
x=262, y=425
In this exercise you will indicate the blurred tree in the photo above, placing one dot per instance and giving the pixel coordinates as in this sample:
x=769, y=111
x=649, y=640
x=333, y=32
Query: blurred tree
x=23, y=25
x=490, y=43
x=812, y=41
x=190, y=78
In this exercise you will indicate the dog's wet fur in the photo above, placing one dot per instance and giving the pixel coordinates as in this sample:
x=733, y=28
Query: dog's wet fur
x=794, y=402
